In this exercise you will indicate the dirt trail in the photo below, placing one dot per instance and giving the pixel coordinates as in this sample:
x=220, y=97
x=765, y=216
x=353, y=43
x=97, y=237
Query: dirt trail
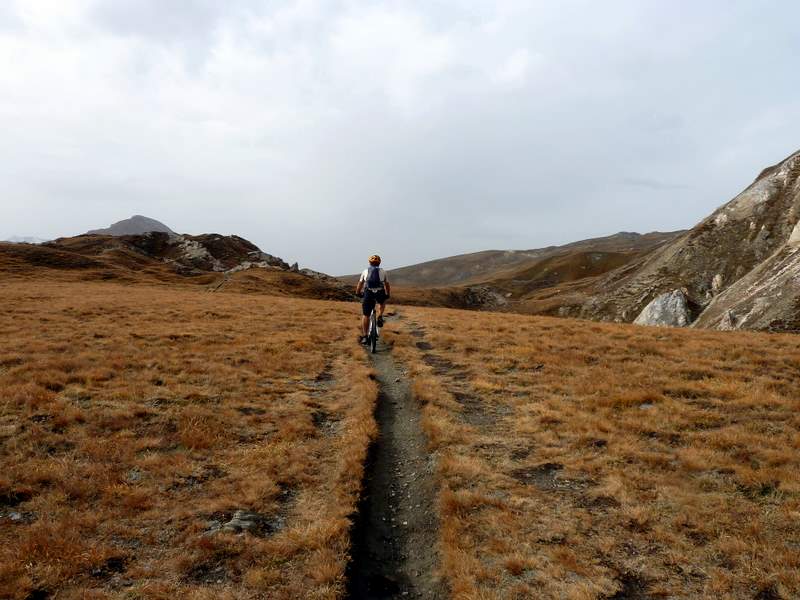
x=395, y=537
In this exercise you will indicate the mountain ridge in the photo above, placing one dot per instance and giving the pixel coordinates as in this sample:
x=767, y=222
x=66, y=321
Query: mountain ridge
x=738, y=268
x=217, y=261
x=485, y=265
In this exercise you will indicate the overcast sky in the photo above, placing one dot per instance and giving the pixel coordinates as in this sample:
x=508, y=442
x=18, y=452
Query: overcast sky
x=326, y=131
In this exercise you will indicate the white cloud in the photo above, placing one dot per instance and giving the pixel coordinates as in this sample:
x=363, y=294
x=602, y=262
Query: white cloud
x=513, y=72
x=391, y=53
x=447, y=123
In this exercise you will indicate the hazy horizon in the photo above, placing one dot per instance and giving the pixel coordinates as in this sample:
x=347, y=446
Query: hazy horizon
x=326, y=131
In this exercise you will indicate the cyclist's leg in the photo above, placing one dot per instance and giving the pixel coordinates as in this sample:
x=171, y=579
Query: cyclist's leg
x=381, y=298
x=380, y=314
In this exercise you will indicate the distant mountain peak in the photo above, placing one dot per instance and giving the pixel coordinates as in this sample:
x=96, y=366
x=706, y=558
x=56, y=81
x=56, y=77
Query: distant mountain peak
x=136, y=225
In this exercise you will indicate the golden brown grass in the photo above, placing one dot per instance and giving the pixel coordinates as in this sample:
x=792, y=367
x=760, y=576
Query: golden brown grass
x=577, y=460
x=133, y=417
x=582, y=460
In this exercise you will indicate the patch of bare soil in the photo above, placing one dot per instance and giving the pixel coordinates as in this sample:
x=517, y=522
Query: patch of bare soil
x=396, y=534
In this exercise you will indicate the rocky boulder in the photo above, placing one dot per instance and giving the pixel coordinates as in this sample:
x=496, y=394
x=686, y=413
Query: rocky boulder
x=666, y=310
x=251, y=522
x=482, y=296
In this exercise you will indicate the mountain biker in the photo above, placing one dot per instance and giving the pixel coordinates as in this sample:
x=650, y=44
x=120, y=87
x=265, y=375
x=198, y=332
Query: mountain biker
x=375, y=286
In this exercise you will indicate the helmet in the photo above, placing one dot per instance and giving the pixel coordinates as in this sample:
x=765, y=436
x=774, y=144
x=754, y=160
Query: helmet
x=375, y=260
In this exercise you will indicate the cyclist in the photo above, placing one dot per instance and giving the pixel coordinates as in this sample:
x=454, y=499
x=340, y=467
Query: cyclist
x=376, y=289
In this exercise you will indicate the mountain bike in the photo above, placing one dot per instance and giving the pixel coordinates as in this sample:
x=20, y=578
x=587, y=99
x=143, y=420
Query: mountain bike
x=372, y=332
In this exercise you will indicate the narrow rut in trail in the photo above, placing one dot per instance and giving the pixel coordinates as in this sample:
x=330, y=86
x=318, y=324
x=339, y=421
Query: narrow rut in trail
x=395, y=537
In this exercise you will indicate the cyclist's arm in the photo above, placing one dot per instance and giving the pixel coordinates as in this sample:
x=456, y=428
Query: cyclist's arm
x=360, y=287
x=388, y=287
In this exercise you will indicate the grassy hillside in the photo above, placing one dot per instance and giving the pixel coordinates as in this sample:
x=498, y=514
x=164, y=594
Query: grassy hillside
x=107, y=259
x=560, y=268
x=539, y=281
x=541, y=287
x=484, y=267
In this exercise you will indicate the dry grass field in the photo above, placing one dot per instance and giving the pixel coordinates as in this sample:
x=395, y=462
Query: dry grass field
x=171, y=443
x=593, y=461
x=167, y=442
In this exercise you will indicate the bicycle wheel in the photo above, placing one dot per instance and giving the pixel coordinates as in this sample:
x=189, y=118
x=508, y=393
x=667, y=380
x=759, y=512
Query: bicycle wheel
x=373, y=333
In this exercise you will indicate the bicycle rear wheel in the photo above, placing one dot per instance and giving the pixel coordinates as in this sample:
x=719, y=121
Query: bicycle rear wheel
x=373, y=333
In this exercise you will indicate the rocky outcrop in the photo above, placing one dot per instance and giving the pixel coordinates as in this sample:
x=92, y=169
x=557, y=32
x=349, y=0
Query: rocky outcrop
x=246, y=265
x=207, y=252
x=667, y=310
x=767, y=298
x=482, y=296
x=739, y=268
x=332, y=281
x=316, y=274
x=216, y=262
x=193, y=252
x=184, y=255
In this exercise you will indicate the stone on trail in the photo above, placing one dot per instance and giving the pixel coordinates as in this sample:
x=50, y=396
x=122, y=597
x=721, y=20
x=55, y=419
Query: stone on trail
x=247, y=521
x=667, y=310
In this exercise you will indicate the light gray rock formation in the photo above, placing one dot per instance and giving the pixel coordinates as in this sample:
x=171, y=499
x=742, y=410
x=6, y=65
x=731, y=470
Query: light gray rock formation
x=794, y=238
x=728, y=321
x=768, y=297
x=246, y=265
x=193, y=251
x=716, y=283
x=667, y=310
x=739, y=268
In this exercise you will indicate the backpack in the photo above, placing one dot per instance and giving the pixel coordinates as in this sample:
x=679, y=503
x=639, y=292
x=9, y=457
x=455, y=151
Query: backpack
x=374, y=278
